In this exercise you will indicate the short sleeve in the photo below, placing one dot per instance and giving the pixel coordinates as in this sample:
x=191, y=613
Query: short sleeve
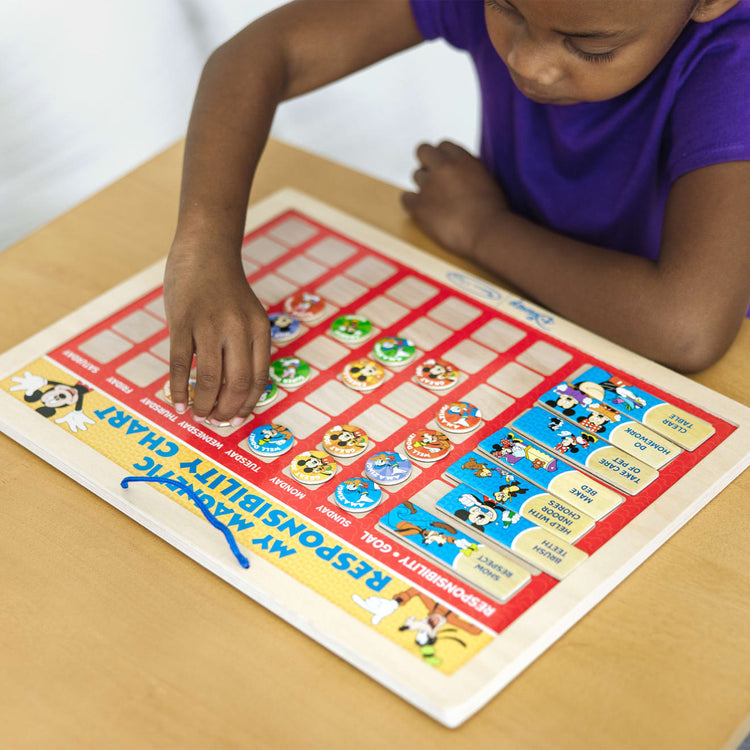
x=710, y=119
x=459, y=22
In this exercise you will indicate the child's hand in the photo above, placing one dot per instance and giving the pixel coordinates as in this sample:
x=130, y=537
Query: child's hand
x=213, y=313
x=456, y=197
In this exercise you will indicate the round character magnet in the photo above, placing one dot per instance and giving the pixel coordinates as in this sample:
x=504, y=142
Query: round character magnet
x=351, y=329
x=394, y=351
x=313, y=467
x=363, y=374
x=270, y=440
x=357, y=495
x=436, y=374
x=167, y=391
x=269, y=394
x=345, y=441
x=289, y=372
x=427, y=445
x=283, y=327
x=388, y=467
x=305, y=306
x=458, y=416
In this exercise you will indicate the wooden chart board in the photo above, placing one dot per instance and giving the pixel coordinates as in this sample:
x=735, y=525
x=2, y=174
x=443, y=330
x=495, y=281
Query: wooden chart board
x=443, y=606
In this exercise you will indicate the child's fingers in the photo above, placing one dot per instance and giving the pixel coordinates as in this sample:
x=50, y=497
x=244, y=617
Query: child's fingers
x=180, y=362
x=261, y=364
x=208, y=378
x=420, y=176
x=409, y=200
x=452, y=150
x=239, y=380
x=429, y=156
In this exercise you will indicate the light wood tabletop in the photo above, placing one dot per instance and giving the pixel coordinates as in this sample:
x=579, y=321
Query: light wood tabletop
x=110, y=638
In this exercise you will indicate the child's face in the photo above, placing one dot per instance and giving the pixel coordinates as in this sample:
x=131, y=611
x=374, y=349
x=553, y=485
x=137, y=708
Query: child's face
x=570, y=51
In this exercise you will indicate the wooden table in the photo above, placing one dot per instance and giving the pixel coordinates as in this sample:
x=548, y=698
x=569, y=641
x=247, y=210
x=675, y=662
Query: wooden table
x=111, y=638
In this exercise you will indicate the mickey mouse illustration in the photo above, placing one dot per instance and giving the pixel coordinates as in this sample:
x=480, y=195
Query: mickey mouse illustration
x=346, y=438
x=599, y=416
x=312, y=464
x=569, y=397
x=435, y=370
x=568, y=441
x=365, y=372
x=283, y=325
x=56, y=396
x=480, y=512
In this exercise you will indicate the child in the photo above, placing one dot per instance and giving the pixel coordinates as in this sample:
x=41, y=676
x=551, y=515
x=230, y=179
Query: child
x=613, y=186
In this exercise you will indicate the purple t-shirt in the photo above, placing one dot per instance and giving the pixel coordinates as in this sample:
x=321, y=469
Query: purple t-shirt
x=601, y=171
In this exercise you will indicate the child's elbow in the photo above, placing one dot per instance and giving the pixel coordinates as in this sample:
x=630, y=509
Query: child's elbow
x=694, y=340
x=696, y=358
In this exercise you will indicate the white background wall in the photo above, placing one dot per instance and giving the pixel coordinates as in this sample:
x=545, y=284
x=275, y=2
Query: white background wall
x=89, y=89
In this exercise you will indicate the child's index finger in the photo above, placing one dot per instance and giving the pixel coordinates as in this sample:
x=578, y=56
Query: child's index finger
x=177, y=389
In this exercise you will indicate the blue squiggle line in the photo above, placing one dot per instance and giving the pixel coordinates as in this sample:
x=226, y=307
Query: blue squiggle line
x=241, y=559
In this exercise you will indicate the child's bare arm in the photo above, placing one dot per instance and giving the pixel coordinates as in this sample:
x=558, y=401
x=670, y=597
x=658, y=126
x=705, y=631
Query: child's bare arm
x=211, y=310
x=683, y=310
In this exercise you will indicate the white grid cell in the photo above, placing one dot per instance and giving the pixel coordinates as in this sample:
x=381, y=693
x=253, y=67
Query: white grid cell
x=156, y=307
x=382, y=311
x=248, y=267
x=271, y=289
x=379, y=423
x=454, y=313
x=143, y=369
x=489, y=401
x=293, y=232
x=469, y=356
x=371, y=271
x=498, y=335
x=161, y=349
x=302, y=420
x=322, y=352
x=515, y=379
x=412, y=292
x=138, y=326
x=409, y=399
x=263, y=250
x=104, y=347
x=426, y=333
x=331, y=251
x=302, y=270
x=341, y=291
x=428, y=496
x=544, y=357
x=333, y=397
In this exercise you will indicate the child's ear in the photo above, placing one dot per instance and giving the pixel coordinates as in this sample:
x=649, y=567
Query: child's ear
x=708, y=10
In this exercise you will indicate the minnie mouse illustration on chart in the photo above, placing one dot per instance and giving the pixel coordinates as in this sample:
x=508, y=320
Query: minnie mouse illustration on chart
x=56, y=396
x=569, y=441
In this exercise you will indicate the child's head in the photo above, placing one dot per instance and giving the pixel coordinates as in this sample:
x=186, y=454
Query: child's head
x=570, y=51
